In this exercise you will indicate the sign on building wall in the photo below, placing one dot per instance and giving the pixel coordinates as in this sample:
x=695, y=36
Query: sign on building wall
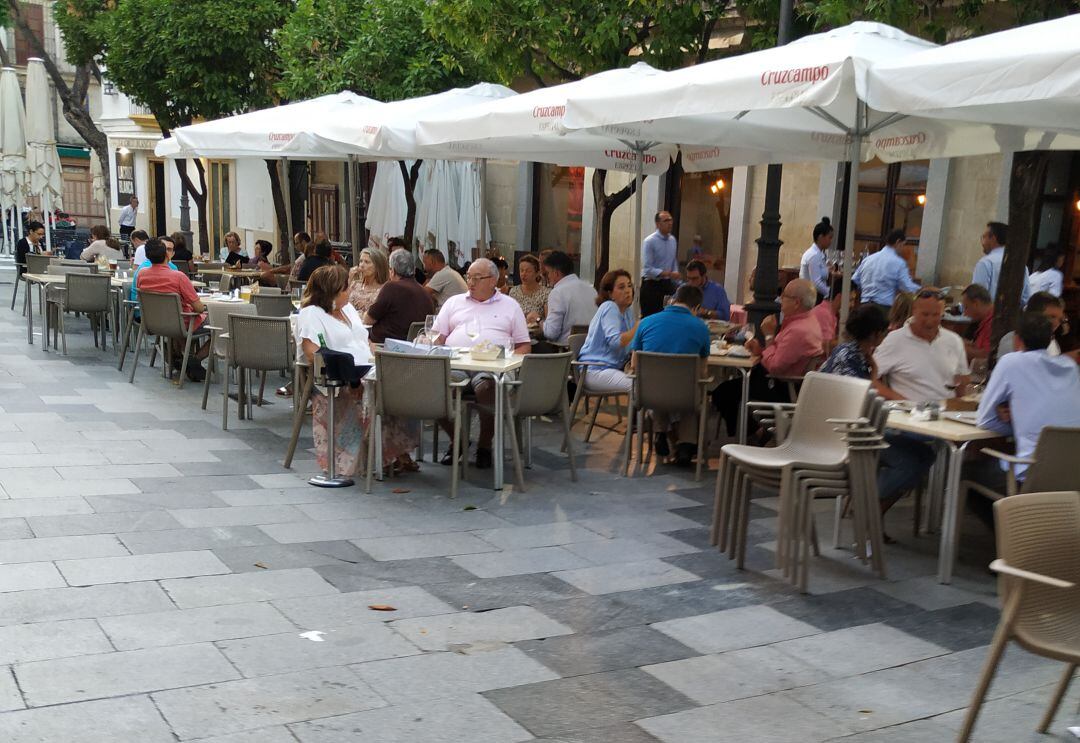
x=125, y=176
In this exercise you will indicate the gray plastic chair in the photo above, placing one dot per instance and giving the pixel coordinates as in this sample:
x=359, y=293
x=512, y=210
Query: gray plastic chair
x=415, y=329
x=578, y=369
x=20, y=269
x=84, y=293
x=38, y=264
x=417, y=387
x=540, y=389
x=255, y=343
x=268, y=291
x=217, y=322
x=273, y=305
x=1050, y=468
x=1039, y=571
x=162, y=316
x=667, y=383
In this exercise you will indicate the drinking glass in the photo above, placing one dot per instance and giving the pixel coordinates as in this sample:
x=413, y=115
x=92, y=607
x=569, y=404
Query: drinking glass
x=429, y=326
x=472, y=329
x=748, y=331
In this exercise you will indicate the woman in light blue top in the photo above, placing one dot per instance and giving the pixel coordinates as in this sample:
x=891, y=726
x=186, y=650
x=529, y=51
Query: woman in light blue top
x=612, y=328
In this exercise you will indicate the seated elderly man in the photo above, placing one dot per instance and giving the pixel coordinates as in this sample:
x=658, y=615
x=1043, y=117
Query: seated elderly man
x=675, y=329
x=786, y=352
x=491, y=316
x=827, y=311
x=401, y=301
x=979, y=308
x=1027, y=391
x=571, y=301
x=159, y=277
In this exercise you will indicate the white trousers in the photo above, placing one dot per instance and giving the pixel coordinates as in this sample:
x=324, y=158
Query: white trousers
x=612, y=381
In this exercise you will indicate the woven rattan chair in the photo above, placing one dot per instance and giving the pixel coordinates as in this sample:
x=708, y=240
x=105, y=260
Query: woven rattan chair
x=1050, y=468
x=1038, y=544
x=36, y=263
x=217, y=322
x=273, y=305
x=162, y=316
x=416, y=387
x=666, y=383
x=81, y=293
x=540, y=389
x=255, y=343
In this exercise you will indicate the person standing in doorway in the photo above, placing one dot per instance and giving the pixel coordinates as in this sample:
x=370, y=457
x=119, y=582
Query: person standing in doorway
x=659, y=265
x=127, y=217
x=814, y=266
x=988, y=269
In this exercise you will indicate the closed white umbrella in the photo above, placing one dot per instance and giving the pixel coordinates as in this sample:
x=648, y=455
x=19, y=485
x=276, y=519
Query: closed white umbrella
x=12, y=150
x=387, y=209
x=469, y=232
x=42, y=161
x=437, y=210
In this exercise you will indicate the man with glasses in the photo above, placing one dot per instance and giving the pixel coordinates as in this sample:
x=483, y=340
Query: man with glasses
x=481, y=314
x=922, y=361
x=715, y=304
x=659, y=265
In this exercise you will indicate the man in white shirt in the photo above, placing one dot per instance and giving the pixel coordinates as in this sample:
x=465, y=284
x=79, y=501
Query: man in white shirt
x=988, y=269
x=571, y=302
x=443, y=281
x=922, y=361
x=138, y=242
x=1053, y=309
x=813, y=266
x=127, y=217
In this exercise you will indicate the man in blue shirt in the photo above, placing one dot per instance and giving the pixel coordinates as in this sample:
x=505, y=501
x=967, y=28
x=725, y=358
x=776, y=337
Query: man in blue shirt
x=659, y=265
x=714, y=303
x=676, y=330
x=988, y=269
x=881, y=275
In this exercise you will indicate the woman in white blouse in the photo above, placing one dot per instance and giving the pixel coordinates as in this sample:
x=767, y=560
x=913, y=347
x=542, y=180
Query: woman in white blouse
x=328, y=318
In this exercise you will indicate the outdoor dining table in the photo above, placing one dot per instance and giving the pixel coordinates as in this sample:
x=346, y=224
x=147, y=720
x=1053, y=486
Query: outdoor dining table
x=952, y=438
x=242, y=274
x=743, y=364
x=500, y=371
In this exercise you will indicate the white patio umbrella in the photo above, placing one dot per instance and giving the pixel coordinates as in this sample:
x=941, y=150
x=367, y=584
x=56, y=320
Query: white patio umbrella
x=529, y=127
x=387, y=210
x=437, y=208
x=12, y=152
x=470, y=193
x=42, y=161
x=806, y=100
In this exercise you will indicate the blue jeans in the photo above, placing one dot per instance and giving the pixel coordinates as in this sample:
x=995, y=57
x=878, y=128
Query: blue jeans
x=902, y=466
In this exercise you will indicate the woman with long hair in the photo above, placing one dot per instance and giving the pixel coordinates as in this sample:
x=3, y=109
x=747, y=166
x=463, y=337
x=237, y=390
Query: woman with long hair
x=367, y=278
x=612, y=328
x=531, y=294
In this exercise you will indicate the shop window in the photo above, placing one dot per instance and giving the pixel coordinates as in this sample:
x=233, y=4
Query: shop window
x=891, y=196
x=559, y=201
x=704, y=209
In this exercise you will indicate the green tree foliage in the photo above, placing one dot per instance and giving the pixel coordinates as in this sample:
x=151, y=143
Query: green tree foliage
x=377, y=48
x=552, y=42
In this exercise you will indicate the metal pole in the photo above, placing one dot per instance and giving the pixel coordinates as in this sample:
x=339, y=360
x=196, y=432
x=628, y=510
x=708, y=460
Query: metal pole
x=766, y=273
x=854, y=156
x=354, y=210
x=639, y=178
x=481, y=166
x=47, y=213
x=185, y=218
x=286, y=192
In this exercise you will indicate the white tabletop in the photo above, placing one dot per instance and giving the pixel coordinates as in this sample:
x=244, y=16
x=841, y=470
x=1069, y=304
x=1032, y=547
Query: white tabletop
x=944, y=429
x=465, y=362
x=737, y=362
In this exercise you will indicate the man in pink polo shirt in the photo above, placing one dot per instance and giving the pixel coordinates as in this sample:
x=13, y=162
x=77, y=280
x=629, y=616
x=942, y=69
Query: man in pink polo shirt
x=491, y=316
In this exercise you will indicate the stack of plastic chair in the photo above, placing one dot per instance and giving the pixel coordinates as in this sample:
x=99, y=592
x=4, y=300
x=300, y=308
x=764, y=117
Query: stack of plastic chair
x=813, y=448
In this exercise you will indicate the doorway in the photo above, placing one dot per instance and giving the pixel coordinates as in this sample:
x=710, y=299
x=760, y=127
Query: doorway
x=156, y=207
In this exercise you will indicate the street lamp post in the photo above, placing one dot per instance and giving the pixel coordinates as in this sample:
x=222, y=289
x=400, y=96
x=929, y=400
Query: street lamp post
x=768, y=256
x=185, y=219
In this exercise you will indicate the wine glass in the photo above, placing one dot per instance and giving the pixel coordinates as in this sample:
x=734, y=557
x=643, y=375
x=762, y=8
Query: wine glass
x=429, y=326
x=472, y=329
x=749, y=330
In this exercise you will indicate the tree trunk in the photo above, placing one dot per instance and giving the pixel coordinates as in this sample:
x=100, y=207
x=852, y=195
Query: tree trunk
x=409, y=176
x=1025, y=186
x=605, y=205
x=73, y=98
x=285, y=248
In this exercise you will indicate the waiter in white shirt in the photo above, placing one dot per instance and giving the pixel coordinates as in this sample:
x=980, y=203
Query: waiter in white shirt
x=127, y=218
x=814, y=267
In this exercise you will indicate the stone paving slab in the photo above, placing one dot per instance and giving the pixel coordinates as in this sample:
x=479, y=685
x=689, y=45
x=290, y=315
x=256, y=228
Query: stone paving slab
x=465, y=628
x=60, y=548
x=50, y=604
x=426, y=545
x=131, y=719
x=157, y=566
x=102, y=523
x=735, y=628
x=116, y=674
x=608, y=650
x=23, y=643
x=182, y=540
x=244, y=587
x=520, y=562
x=184, y=626
x=29, y=575
x=341, y=610
x=250, y=704
x=625, y=576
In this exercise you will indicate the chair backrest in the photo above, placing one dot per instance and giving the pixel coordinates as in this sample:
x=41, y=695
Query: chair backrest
x=267, y=291
x=1054, y=468
x=57, y=269
x=283, y=281
x=296, y=287
x=217, y=315
x=1040, y=532
x=37, y=264
x=412, y=386
x=123, y=265
x=87, y=293
x=576, y=341
x=667, y=382
x=181, y=266
x=826, y=396
x=161, y=314
x=260, y=343
x=543, y=384
x=579, y=330
x=273, y=305
x=415, y=328
x=225, y=283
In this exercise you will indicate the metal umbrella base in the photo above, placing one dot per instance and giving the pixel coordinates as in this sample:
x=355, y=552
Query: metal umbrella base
x=330, y=479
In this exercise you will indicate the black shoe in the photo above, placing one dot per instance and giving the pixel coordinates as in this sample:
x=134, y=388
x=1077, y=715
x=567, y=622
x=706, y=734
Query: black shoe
x=660, y=444
x=684, y=454
x=448, y=458
x=195, y=371
x=483, y=458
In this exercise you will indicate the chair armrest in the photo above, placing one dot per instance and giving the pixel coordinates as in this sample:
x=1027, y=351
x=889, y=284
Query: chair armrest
x=191, y=314
x=1009, y=458
x=707, y=380
x=586, y=363
x=849, y=421
x=1000, y=566
x=512, y=382
x=761, y=405
x=215, y=328
x=459, y=384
